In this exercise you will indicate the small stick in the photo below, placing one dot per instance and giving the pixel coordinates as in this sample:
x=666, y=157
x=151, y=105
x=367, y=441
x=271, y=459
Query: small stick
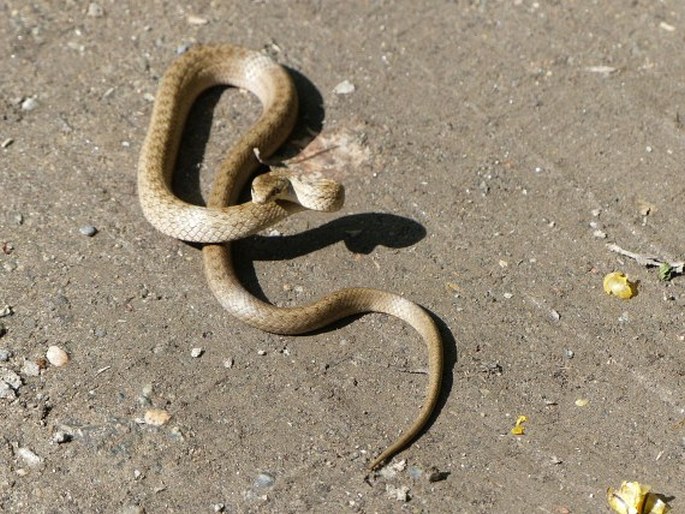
x=647, y=260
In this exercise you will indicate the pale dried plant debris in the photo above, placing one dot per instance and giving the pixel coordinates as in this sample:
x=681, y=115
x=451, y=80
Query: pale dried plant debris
x=667, y=269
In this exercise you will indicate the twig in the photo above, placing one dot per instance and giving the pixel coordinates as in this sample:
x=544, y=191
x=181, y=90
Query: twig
x=648, y=260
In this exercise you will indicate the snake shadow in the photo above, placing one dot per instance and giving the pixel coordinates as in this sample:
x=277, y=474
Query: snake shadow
x=360, y=233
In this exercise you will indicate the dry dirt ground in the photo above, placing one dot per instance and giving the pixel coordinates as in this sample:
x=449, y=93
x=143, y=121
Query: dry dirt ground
x=507, y=142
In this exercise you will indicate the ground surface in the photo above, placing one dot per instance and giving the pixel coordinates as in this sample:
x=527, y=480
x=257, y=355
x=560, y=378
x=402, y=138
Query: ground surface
x=500, y=137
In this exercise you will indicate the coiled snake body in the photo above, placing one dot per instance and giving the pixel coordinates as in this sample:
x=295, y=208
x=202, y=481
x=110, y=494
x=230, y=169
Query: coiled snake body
x=276, y=195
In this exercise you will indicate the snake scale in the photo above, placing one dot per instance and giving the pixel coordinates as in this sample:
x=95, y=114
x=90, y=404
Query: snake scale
x=275, y=195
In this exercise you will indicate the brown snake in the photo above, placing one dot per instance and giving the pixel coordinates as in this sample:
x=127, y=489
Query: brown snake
x=276, y=195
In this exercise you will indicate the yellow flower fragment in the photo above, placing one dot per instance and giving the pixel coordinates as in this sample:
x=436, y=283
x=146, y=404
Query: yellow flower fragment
x=617, y=284
x=635, y=498
x=519, y=429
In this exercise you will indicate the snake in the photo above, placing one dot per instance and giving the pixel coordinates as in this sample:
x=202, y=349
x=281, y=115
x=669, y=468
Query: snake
x=276, y=195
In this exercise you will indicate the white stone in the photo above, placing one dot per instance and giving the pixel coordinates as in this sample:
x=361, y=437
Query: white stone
x=344, y=88
x=30, y=369
x=56, y=356
x=29, y=104
x=30, y=458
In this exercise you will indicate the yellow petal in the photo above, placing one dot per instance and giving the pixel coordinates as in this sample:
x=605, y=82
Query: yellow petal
x=519, y=429
x=635, y=498
x=617, y=284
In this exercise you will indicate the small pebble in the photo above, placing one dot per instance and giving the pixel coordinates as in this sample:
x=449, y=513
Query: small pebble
x=7, y=392
x=95, y=11
x=399, y=465
x=401, y=493
x=145, y=395
x=30, y=458
x=197, y=20
x=61, y=437
x=29, y=104
x=5, y=354
x=604, y=70
x=76, y=46
x=554, y=315
x=9, y=377
x=264, y=480
x=599, y=234
x=645, y=208
x=56, y=356
x=156, y=417
x=344, y=88
x=196, y=352
x=393, y=469
x=176, y=434
x=30, y=369
x=219, y=507
x=6, y=311
x=7, y=142
x=568, y=353
x=228, y=363
x=261, y=352
x=88, y=230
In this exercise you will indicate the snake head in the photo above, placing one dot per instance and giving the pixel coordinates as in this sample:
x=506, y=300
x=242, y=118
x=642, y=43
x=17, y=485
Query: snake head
x=310, y=190
x=270, y=187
